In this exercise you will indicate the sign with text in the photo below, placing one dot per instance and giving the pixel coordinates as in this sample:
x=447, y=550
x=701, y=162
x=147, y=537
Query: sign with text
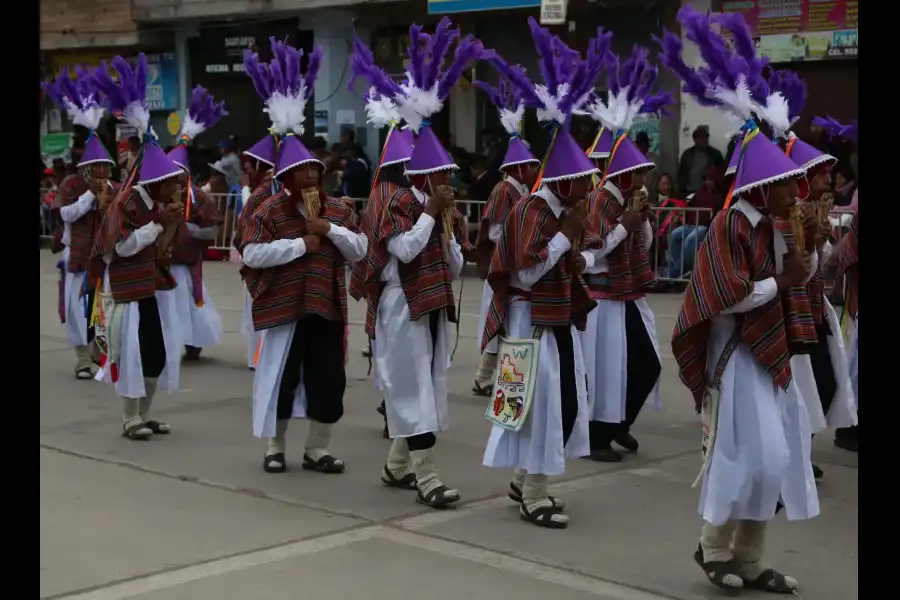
x=446, y=7
x=801, y=30
x=553, y=12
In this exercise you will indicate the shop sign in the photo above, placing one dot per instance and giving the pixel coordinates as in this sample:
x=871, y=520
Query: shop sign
x=446, y=7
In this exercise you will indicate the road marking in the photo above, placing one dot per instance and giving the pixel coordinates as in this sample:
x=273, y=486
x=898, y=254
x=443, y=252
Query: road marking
x=216, y=568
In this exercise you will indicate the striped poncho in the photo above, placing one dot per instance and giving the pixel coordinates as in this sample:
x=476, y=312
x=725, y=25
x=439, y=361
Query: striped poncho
x=500, y=202
x=849, y=261
x=368, y=223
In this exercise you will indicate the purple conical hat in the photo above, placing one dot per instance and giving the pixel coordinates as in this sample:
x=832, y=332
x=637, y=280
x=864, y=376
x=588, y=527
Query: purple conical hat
x=518, y=153
x=762, y=163
x=625, y=157
x=735, y=155
x=398, y=147
x=805, y=155
x=179, y=156
x=78, y=97
x=602, y=146
x=566, y=159
x=429, y=155
x=265, y=150
x=127, y=97
x=835, y=129
x=292, y=153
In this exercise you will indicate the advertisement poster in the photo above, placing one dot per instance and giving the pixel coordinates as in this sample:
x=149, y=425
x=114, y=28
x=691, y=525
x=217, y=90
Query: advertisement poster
x=55, y=145
x=801, y=30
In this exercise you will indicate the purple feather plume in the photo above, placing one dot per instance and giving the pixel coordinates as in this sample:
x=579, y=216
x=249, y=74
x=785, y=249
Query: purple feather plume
x=694, y=82
x=543, y=42
x=131, y=86
x=443, y=37
x=834, y=129
x=468, y=50
x=313, y=64
x=203, y=109
x=417, y=50
x=792, y=88
x=259, y=74
x=362, y=64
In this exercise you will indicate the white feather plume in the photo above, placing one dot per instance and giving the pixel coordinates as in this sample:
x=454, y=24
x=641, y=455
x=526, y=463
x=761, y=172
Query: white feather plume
x=617, y=114
x=739, y=100
x=137, y=115
x=191, y=128
x=287, y=112
x=415, y=104
x=381, y=110
x=776, y=113
x=511, y=120
x=551, y=101
x=89, y=117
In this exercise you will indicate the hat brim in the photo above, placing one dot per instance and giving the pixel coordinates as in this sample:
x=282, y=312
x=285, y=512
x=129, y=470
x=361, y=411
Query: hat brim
x=451, y=167
x=570, y=176
x=396, y=161
x=259, y=158
x=598, y=155
x=516, y=163
x=307, y=161
x=213, y=167
x=637, y=167
x=792, y=174
x=94, y=161
x=824, y=158
x=161, y=178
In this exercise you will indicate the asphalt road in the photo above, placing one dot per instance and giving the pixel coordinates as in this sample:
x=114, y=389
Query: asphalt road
x=193, y=516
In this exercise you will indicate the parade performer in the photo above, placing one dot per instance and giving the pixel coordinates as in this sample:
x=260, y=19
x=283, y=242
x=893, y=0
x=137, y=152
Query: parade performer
x=415, y=258
x=81, y=199
x=621, y=347
x=131, y=256
x=848, y=264
x=199, y=322
x=259, y=168
x=538, y=290
x=822, y=371
x=297, y=242
x=520, y=169
x=734, y=333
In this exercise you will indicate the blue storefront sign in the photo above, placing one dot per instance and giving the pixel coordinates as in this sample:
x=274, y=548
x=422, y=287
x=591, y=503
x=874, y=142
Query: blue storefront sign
x=446, y=7
x=162, y=81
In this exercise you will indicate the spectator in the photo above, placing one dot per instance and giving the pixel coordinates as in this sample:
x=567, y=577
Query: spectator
x=462, y=176
x=845, y=195
x=685, y=239
x=483, y=182
x=230, y=162
x=348, y=142
x=494, y=150
x=651, y=177
x=48, y=192
x=695, y=161
x=357, y=180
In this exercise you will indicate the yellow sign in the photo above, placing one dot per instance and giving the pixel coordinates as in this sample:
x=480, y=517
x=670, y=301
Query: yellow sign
x=173, y=123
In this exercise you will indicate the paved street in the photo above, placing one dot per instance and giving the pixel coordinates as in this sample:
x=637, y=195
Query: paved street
x=193, y=516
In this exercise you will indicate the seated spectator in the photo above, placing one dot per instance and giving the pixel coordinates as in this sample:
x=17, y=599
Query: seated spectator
x=483, y=182
x=686, y=237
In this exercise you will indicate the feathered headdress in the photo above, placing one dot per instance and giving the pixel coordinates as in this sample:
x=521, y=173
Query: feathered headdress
x=834, y=129
x=81, y=101
x=512, y=109
x=203, y=112
x=568, y=83
x=127, y=98
x=286, y=105
x=732, y=81
x=266, y=149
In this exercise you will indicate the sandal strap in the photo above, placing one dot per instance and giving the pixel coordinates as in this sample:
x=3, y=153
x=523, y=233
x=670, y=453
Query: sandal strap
x=543, y=514
x=130, y=431
x=440, y=492
x=771, y=580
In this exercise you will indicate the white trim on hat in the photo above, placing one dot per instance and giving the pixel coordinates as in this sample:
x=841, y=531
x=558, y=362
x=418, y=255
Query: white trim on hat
x=297, y=164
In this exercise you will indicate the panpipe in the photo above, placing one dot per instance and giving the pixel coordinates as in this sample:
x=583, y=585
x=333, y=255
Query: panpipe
x=312, y=202
x=447, y=219
x=637, y=201
x=166, y=239
x=823, y=207
x=797, y=227
x=104, y=193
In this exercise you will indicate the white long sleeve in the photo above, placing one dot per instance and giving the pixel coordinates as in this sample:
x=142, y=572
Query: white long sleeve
x=646, y=234
x=558, y=246
x=763, y=291
x=77, y=209
x=813, y=266
x=610, y=242
x=273, y=254
x=203, y=233
x=454, y=257
x=139, y=239
x=588, y=256
x=352, y=245
x=409, y=244
x=494, y=232
x=245, y=195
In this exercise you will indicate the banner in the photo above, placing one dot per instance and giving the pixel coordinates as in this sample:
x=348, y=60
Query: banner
x=56, y=145
x=801, y=30
x=446, y=7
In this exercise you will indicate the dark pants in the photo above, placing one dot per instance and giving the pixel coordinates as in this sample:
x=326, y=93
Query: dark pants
x=568, y=391
x=317, y=349
x=150, y=338
x=643, y=371
x=424, y=441
x=89, y=299
x=826, y=383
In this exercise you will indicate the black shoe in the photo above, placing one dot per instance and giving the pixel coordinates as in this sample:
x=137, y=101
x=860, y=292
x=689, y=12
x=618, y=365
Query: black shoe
x=627, y=441
x=385, y=434
x=381, y=408
x=607, y=455
x=192, y=353
x=367, y=353
x=848, y=443
x=817, y=473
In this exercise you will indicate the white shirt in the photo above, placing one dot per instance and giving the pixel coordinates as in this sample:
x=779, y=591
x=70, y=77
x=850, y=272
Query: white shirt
x=559, y=244
x=496, y=229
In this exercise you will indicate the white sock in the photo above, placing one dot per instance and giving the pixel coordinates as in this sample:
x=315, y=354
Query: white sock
x=278, y=444
x=486, y=368
x=131, y=415
x=398, y=458
x=318, y=439
x=426, y=475
x=535, y=495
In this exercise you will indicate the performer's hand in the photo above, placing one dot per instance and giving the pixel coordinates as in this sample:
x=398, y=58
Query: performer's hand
x=96, y=185
x=319, y=227
x=579, y=263
x=573, y=224
x=631, y=220
x=796, y=269
x=646, y=212
x=442, y=198
x=171, y=212
x=312, y=242
x=810, y=218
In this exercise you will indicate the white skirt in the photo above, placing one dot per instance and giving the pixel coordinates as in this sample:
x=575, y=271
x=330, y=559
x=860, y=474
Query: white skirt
x=762, y=448
x=376, y=377
x=842, y=412
x=538, y=447
x=267, y=380
x=200, y=326
x=251, y=336
x=76, y=322
x=131, y=374
x=487, y=294
x=606, y=358
x=414, y=385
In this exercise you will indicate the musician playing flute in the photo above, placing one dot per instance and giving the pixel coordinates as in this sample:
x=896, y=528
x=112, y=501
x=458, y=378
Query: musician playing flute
x=415, y=257
x=297, y=243
x=621, y=346
x=733, y=341
x=539, y=293
x=80, y=202
x=132, y=256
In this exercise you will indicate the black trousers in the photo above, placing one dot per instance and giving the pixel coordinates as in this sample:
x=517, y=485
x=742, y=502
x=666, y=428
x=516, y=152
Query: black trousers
x=424, y=441
x=317, y=349
x=89, y=298
x=568, y=391
x=150, y=338
x=823, y=372
x=643, y=371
